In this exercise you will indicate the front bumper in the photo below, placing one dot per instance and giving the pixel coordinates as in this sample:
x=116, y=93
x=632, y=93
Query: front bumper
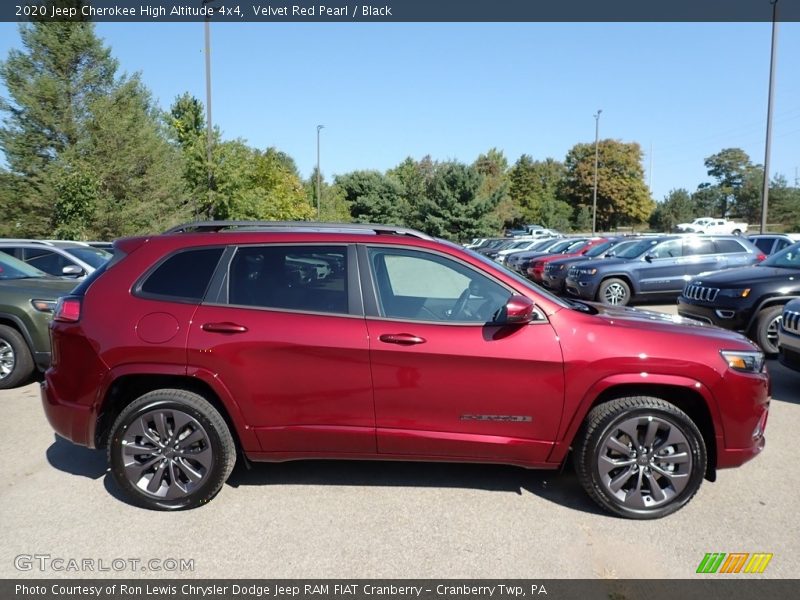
x=743, y=401
x=582, y=287
x=789, y=349
x=735, y=318
x=555, y=280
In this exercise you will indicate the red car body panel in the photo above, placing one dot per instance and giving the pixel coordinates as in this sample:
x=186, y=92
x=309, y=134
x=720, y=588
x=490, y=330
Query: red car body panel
x=536, y=268
x=297, y=385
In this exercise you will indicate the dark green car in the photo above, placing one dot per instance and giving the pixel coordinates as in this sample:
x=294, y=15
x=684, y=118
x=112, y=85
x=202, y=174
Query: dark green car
x=27, y=299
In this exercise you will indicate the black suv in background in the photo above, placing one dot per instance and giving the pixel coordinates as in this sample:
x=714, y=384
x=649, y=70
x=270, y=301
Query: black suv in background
x=749, y=300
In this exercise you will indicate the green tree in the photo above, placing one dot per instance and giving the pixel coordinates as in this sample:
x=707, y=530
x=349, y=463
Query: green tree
x=784, y=204
x=676, y=208
x=138, y=171
x=87, y=147
x=334, y=207
x=731, y=167
x=373, y=197
x=456, y=205
x=534, y=190
x=622, y=195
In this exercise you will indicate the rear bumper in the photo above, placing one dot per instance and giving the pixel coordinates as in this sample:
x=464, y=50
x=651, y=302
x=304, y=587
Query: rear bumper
x=74, y=422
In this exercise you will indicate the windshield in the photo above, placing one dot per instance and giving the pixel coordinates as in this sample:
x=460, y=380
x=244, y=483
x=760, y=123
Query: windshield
x=539, y=246
x=92, y=256
x=788, y=258
x=636, y=249
x=599, y=249
x=11, y=268
x=575, y=245
x=558, y=247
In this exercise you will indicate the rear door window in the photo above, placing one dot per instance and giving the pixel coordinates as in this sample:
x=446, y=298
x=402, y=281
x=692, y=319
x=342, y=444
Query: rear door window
x=700, y=247
x=668, y=249
x=301, y=278
x=731, y=247
x=47, y=261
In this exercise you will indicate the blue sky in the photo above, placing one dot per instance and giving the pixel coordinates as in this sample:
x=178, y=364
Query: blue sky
x=388, y=91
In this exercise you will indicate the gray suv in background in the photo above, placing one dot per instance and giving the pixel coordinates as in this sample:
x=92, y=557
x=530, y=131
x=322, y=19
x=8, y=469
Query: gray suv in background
x=74, y=260
x=656, y=268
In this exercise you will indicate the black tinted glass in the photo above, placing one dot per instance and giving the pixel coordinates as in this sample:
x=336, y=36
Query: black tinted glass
x=184, y=275
x=304, y=278
x=731, y=246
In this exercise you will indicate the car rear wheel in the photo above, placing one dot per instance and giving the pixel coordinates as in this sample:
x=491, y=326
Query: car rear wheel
x=614, y=292
x=170, y=450
x=766, y=329
x=640, y=457
x=16, y=362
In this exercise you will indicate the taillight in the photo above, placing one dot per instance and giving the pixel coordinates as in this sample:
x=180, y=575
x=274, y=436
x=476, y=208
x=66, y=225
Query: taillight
x=761, y=256
x=68, y=310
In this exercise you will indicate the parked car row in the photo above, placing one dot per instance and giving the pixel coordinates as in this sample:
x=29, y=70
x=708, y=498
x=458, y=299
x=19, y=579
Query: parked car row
x=33, y=274
x=201, y=344
x=724, y=280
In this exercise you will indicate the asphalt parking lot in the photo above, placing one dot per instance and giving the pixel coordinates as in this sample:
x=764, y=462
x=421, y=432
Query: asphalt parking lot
x=388, y=520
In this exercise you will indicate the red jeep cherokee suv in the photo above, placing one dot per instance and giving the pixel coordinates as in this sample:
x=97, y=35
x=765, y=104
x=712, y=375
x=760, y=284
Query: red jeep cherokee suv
x=287, y=341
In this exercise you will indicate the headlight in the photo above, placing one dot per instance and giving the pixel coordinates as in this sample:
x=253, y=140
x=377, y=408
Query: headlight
x=561, y=267
x=740, y=293
x=747, y=361
x=587, y=271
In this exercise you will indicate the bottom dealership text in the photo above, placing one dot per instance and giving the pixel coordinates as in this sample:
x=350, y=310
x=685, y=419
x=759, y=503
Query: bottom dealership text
x=255, y=590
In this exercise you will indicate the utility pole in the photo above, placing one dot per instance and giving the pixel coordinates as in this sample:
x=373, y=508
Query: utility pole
x=209, y=127
x=765, y=188
x=596, y=162
x=319, y=180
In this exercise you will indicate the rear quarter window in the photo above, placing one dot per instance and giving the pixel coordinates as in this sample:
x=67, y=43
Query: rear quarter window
x=730, y=246
x=182, y=276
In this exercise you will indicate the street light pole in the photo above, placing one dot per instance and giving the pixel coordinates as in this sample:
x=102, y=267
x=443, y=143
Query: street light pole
x=209, y=127
x=596, y=162
x=319, y=185
x=765, y=188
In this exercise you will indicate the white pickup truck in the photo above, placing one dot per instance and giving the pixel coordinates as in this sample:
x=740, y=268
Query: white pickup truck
x=711, y=225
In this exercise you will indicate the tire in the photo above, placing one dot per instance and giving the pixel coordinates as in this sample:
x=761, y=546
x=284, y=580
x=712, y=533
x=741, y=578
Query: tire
x=16, y=361
x=673, y=462
x=766, y=329
x=191, y=472
x=614, y=292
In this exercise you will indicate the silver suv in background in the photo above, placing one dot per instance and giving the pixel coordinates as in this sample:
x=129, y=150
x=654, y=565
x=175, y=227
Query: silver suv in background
x=60, y=258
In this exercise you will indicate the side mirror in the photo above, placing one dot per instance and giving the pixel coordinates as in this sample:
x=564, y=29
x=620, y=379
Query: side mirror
x=517, y=311
x=72, y=271
x=648, y=257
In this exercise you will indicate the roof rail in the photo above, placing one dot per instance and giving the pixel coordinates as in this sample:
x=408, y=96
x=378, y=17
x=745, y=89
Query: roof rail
x=214, y=226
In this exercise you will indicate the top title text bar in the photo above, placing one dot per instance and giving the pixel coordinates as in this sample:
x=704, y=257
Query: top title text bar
x=277, y=11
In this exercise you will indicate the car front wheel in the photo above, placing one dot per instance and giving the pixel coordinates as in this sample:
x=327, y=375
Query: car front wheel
x=16, y=362
x=766, y=329
x=640, y=457
x=614, y=292
x=170, y=450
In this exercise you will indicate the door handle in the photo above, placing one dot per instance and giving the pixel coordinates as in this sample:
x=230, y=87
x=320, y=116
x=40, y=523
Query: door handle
x=404, y=339
x=223, y=327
